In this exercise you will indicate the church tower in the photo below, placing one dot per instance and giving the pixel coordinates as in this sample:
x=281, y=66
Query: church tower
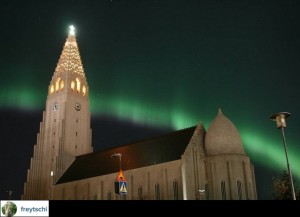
x=65, y=129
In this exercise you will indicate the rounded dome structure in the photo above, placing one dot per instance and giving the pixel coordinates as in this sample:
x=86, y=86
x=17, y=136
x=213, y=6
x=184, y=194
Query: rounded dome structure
x=223, y=137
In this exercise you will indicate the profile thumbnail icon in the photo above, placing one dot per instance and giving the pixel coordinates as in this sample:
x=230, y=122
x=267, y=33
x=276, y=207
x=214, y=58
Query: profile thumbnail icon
x=9, y=209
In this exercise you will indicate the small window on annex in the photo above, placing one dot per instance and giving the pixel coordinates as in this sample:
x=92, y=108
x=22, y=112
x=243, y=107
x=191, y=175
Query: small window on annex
x=157, y=192
x=223, y=190
x=175, y=189
x=239, y=189
x=140, y=193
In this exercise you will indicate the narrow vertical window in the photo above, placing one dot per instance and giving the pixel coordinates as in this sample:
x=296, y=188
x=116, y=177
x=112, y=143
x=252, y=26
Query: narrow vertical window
x=62, y=85
x=239, y=189
x=175, y=189
x=206, y=191
x=72, y=85
x=223, y=190
x=83, y=90
x=140, y=193
x=51, y=89
x=57, y=84
x=157, y=191
x=109, y=196
x=78, y=85
x=250, y=191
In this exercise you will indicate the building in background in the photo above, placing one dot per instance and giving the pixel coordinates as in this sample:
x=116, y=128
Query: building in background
x=187, y=164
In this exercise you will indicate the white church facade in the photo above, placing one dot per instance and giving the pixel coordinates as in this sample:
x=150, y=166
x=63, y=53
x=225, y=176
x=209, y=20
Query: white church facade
x=188, y=164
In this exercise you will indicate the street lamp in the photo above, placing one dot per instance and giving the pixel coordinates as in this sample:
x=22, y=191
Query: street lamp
x=119, y=155
x=120, y=181
x=9, y=194
x=281, y=124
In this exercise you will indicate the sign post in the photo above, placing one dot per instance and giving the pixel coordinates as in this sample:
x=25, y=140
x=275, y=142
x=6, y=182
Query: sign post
x=120, y=182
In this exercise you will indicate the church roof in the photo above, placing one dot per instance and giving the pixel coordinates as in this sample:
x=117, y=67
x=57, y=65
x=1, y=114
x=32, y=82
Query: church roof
x=157, y=150
x=223, y=137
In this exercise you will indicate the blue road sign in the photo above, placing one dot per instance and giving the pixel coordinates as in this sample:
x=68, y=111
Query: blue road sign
x=123, y=187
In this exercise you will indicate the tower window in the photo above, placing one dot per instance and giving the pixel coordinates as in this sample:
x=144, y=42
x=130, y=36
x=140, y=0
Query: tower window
x=62, y=85
x=75, y=146
x=57, y=84
x=51, y=88
x=239, y=189
x=223, y=190
x=76, y=133
x=78, y=85
x=83, y=90
x=76, y=120
x=72, y=85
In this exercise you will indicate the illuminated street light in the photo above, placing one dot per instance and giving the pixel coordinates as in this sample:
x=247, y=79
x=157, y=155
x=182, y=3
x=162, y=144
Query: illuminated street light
x=119, y=155
x=281, y=124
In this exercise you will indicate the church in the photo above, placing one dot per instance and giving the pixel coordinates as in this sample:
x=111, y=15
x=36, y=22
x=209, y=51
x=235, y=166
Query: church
x=188, y=164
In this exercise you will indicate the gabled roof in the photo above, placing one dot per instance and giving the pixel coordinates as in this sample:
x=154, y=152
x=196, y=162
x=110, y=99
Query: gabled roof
x=157, y=150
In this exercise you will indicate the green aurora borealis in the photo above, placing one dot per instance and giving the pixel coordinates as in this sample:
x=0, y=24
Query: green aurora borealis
x=166, y=64
x=262, y=149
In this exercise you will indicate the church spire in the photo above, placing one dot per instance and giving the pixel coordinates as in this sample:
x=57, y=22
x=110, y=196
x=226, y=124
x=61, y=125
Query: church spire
x=70, y=60
x=65, y=130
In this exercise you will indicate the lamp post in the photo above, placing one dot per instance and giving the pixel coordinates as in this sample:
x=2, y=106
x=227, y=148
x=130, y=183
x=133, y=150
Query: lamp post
x=120, y=182
x=9, y=194
x=280, y=119
x=119, y=155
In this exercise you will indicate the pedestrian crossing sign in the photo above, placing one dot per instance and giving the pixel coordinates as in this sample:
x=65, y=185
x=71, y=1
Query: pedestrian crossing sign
x=123, y=187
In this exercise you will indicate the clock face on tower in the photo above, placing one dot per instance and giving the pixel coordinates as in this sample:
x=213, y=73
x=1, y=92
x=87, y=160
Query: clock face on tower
x=55, y=106
x=77, y=106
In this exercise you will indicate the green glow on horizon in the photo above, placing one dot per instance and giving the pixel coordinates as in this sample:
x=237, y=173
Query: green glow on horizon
x=270, y=152
x=24, y=97
x=145, y=113
x=261, y=149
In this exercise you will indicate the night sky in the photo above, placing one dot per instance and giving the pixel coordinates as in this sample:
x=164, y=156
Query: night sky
x=154, y=67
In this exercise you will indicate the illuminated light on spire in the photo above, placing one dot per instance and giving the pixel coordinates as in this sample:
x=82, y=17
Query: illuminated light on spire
x=72, y=30
x=70, y=60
